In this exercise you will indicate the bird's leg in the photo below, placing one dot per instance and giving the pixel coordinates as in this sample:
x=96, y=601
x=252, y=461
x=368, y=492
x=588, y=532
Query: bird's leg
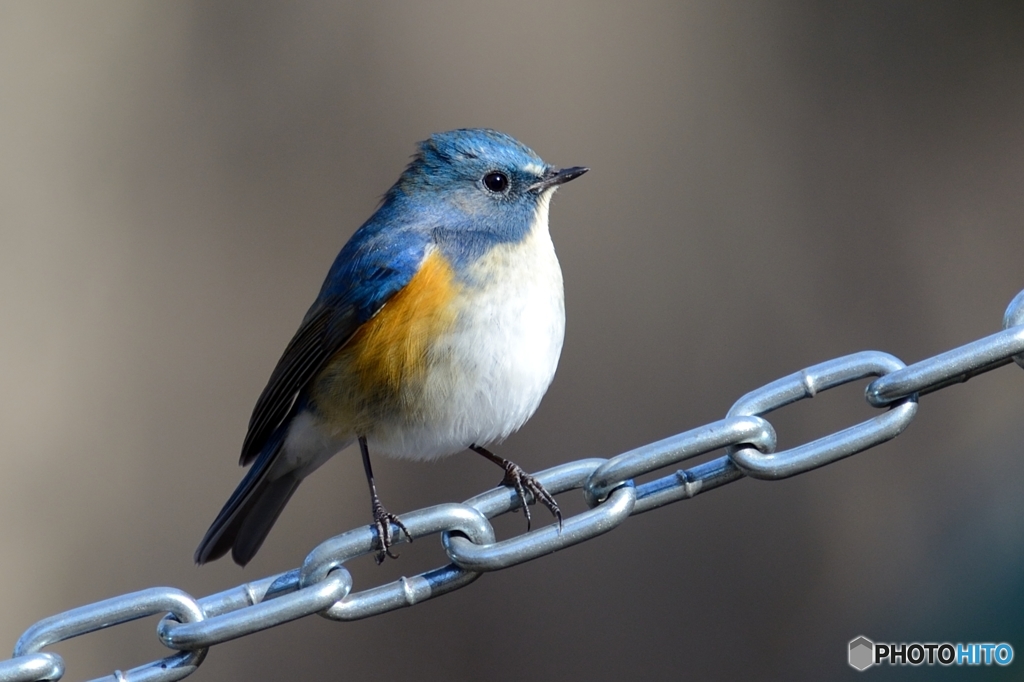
x=382, y=518
x=522, y=482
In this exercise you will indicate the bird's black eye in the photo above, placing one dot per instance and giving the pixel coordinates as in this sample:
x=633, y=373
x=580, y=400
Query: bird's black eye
x=496, y=181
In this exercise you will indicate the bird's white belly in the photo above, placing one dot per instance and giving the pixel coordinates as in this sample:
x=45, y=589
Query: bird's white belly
x=487, y=375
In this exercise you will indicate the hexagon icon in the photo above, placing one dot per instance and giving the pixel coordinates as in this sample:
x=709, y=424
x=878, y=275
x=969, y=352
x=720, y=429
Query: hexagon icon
x=862, y=653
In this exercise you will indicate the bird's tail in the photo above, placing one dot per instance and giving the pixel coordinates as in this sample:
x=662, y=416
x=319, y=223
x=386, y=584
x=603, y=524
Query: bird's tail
x=250, y=512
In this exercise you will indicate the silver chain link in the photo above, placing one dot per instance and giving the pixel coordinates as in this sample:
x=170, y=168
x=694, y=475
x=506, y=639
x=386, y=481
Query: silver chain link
x=323, y=585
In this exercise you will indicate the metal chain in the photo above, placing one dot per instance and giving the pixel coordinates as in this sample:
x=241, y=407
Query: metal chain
x=323, y=585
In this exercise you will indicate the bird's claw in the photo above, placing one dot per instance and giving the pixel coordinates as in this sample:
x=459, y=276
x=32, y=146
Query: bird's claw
x=382, y=522
x=519, y=480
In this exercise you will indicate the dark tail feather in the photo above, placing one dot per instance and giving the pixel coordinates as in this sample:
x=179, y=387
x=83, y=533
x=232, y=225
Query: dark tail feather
x=250, y=512
x=261, y=515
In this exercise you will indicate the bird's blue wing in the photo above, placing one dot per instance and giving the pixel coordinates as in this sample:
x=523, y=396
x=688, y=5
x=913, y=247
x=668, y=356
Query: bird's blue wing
x=374, y=265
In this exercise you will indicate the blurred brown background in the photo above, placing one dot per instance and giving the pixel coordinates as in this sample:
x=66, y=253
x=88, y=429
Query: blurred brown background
x=774, y=184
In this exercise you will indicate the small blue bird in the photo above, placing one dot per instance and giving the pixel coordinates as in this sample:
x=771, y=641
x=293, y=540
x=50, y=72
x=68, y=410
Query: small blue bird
x=437, y=330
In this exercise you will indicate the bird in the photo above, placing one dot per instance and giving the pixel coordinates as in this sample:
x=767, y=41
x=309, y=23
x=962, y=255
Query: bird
x=437, y=330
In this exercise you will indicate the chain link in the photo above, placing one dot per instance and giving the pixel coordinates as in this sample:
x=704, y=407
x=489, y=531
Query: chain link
x=114, y=611
x=807, y=384
x=323, y=585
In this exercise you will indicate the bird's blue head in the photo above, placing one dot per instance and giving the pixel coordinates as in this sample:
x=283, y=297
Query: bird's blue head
x=481, y=181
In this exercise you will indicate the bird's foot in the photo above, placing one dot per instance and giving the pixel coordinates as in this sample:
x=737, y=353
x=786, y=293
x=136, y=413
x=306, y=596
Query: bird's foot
x=382, y=522
x=518, y=479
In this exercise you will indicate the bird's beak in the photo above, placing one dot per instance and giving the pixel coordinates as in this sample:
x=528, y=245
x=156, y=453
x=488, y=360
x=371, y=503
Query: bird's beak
x=556, y=176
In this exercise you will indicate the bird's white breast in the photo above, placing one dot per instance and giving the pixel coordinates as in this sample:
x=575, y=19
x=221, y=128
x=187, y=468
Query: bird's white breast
x=487, y=375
